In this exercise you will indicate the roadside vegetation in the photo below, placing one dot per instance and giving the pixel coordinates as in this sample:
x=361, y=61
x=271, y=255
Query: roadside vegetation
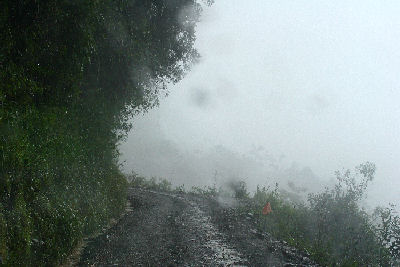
x=331, y=226
x=71, y=75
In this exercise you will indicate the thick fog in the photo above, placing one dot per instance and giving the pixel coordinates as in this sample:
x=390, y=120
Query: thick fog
x=284, y=91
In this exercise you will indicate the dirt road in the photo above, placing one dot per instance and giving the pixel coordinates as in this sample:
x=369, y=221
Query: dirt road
x=166, y=229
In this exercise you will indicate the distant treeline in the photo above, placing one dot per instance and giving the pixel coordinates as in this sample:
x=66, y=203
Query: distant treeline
x=71, y=75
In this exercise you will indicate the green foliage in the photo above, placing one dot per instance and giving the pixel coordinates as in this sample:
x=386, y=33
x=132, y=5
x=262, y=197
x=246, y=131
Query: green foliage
x=287, y=220
x=389, y=230
x=180, y=189
x=337, y=211
x=159, y=184
x=206, y=191
x=235, y=189
x=333, y=228
x=71, y=75
x=239, y=189
x=20, y=223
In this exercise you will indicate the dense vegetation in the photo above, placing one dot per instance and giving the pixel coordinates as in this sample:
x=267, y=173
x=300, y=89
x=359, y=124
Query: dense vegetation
x=71, y=74
x=330, y=226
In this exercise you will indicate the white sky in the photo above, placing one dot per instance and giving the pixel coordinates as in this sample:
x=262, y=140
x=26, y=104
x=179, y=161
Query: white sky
x=315, y=81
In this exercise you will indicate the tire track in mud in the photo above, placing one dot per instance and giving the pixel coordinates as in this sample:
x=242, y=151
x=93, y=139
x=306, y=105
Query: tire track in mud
x=223, y=253
x=211, y=239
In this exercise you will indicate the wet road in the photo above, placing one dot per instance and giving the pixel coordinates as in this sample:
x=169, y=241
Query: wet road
x=165, y=229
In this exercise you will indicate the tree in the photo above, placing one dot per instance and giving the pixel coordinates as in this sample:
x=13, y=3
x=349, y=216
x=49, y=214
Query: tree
x=71, y=75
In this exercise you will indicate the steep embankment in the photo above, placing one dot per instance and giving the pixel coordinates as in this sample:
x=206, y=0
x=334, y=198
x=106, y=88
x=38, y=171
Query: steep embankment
x=72, y=74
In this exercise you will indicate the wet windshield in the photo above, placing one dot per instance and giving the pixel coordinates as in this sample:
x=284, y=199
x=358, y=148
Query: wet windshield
x=199, y=133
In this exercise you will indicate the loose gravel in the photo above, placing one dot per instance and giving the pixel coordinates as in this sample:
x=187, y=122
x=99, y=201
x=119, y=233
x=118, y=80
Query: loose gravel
x=167, y=229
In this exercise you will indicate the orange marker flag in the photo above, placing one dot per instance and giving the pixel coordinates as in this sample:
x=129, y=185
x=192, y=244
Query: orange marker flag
x=267, y=209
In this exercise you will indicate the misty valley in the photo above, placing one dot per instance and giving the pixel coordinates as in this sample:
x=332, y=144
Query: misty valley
x=199, y=133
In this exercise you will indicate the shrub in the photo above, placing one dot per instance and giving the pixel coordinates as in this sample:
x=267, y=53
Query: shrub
x=153, y=183
x=332, y=227
x=389, y=230
x=239, y=189
x=206, y=191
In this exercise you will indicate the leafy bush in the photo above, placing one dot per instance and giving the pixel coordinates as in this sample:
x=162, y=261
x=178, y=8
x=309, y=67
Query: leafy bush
x=159, y=184
x=389, y=230
x=239, y=189
x=287, y=221
x=332, y=227
x=206, y=191
x=180, y=189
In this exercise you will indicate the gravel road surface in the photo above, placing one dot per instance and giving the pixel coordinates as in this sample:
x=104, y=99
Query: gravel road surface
x=167, y=229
